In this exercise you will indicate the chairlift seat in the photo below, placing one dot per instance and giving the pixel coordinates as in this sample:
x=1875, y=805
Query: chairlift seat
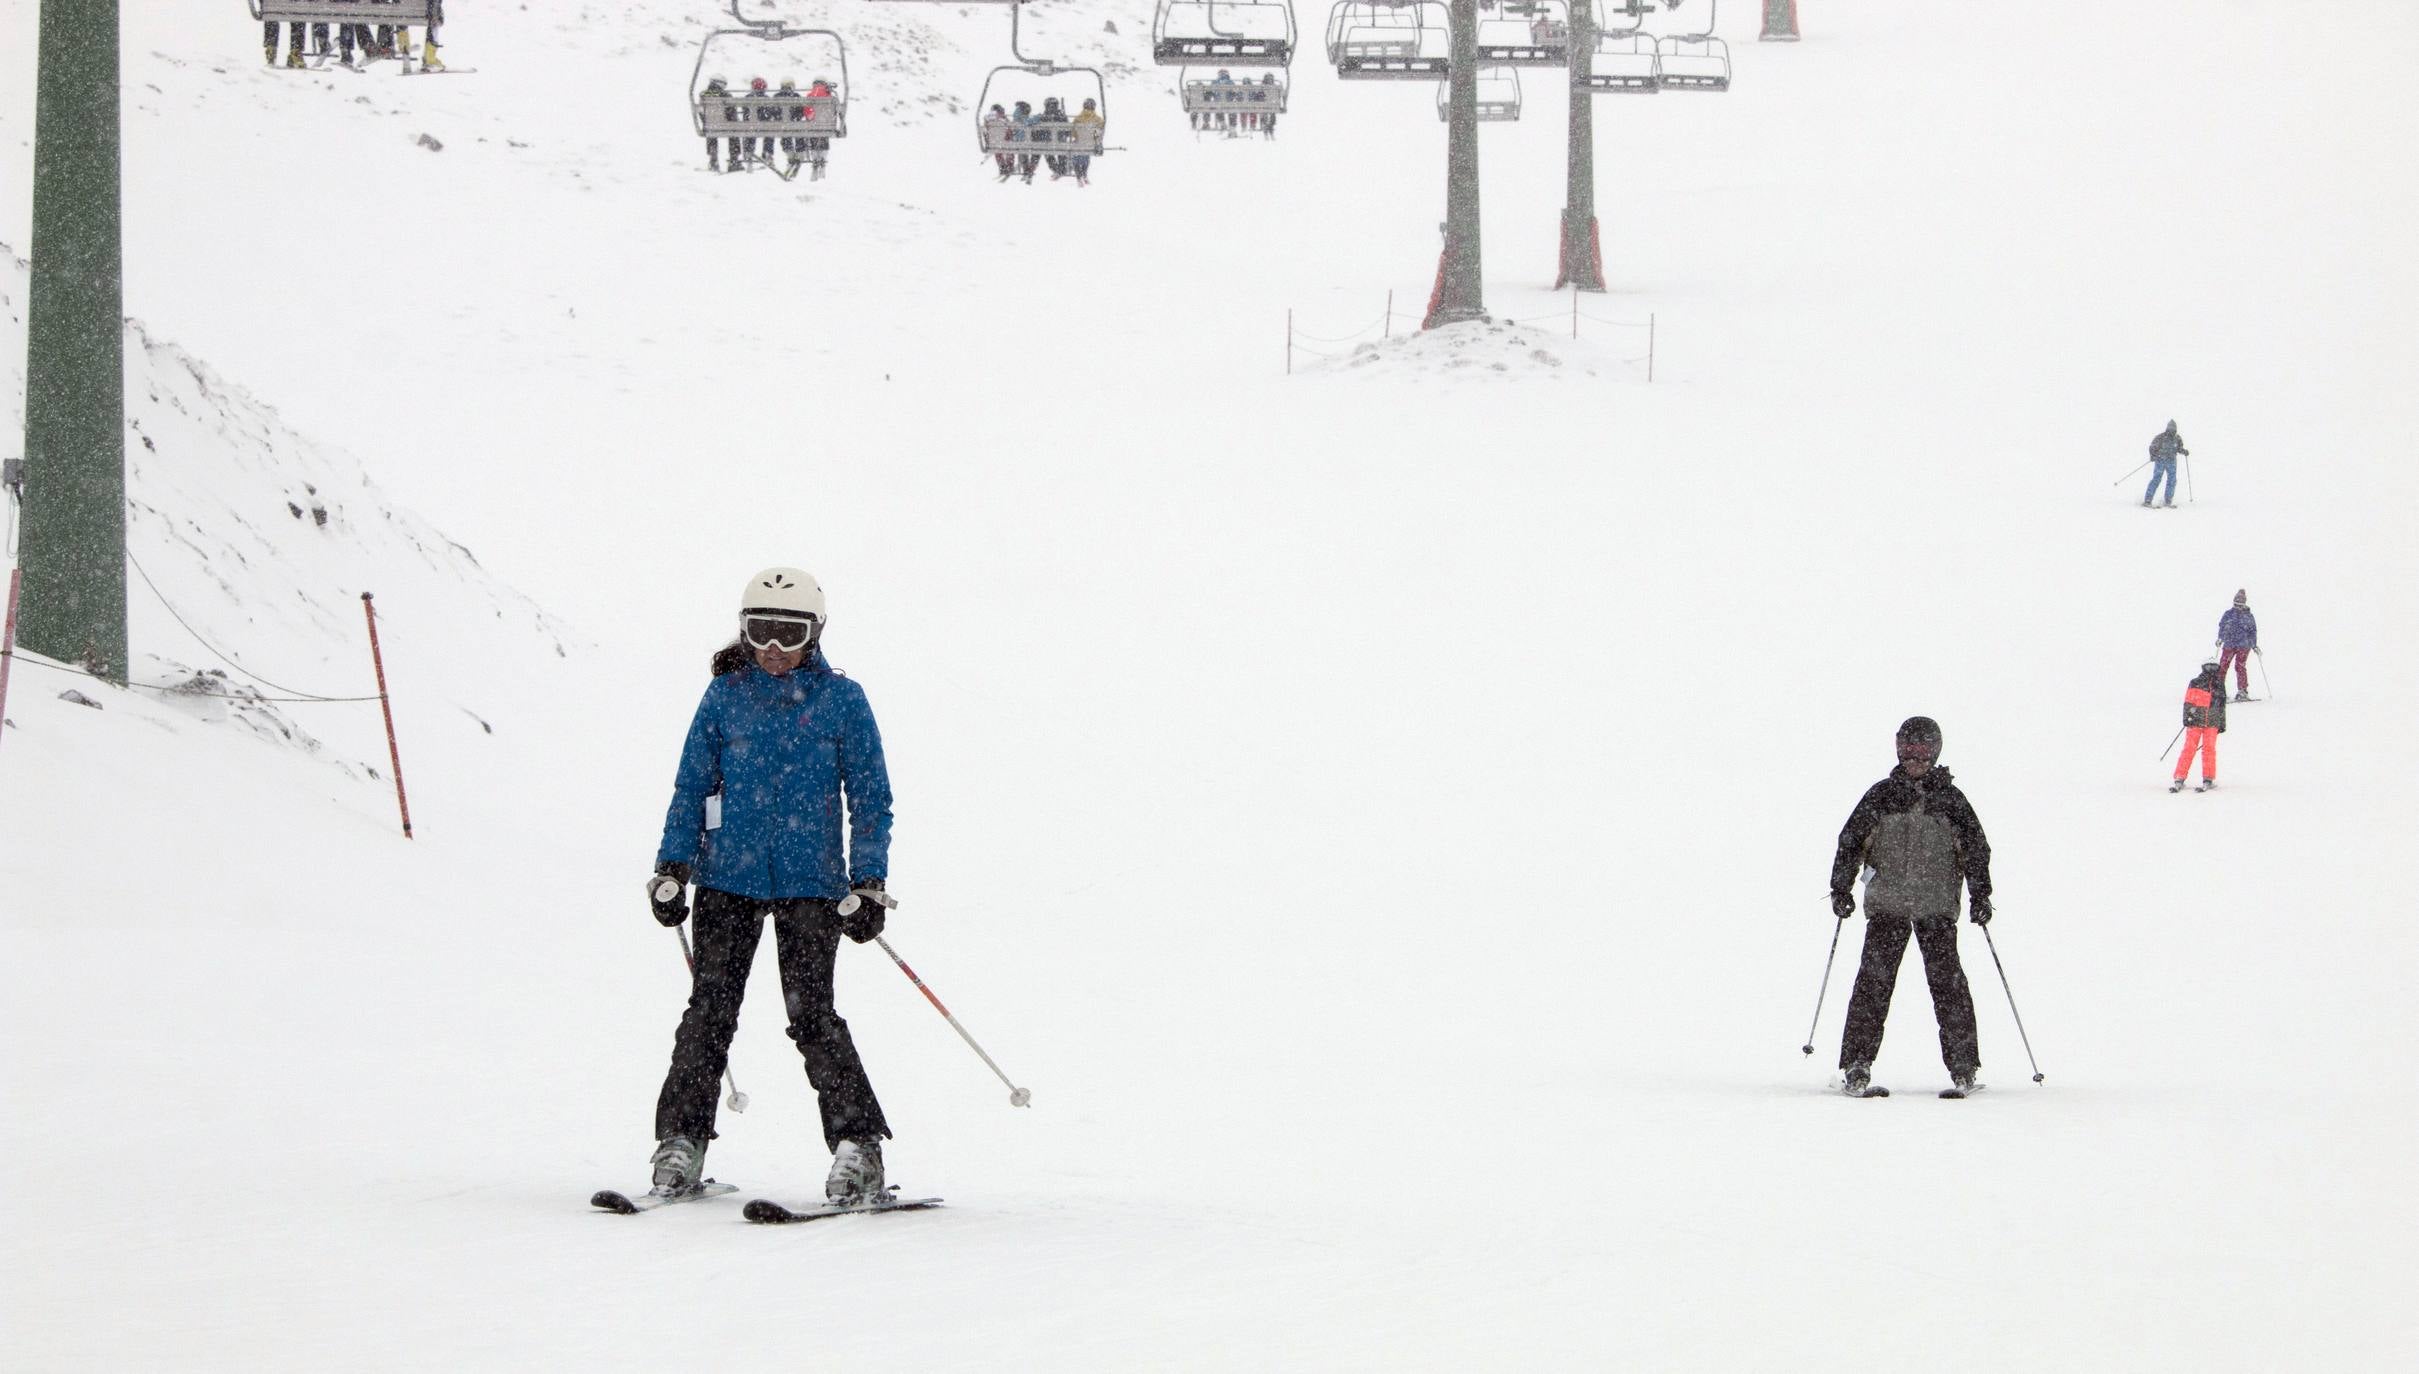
x=755, y=116
x=1223, y=52
x=416, y=12
x=1056, y=138
x=1386, y=59
x=1233, y=97
x=1703, y=63
x=1553, y=53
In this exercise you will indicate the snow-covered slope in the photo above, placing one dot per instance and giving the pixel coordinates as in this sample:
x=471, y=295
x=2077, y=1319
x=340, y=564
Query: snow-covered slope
x=1381, y=813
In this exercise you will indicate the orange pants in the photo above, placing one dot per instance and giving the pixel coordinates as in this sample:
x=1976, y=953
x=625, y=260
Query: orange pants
x=2204, y=739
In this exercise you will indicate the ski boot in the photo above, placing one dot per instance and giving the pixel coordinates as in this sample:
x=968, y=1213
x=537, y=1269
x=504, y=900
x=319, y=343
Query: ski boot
x=2176, y=786
x=429, y=62
x=1962, y=1083
x=856, y=1175
x=2145, y=503
x=294, y=59
x=2207, y=785
x=1859, y=1082
x=679, y=1163
x=818, y=175
x=269, y=50
x=2242, y=696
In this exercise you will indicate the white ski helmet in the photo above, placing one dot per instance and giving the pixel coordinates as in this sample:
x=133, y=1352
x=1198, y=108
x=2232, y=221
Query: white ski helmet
x=783, y=591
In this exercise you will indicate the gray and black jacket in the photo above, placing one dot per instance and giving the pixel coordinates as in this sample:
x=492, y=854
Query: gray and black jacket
x=1921, y=838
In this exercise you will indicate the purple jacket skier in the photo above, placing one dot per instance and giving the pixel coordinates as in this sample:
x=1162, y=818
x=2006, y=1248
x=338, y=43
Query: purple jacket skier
x=2238, y=639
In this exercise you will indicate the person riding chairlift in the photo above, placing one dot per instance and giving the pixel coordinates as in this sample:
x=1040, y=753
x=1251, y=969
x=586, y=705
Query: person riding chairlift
x=1088, y=117
x=759, y=110
x=995, y=134
x=1022, y=116
x=818, y=146
x=719, y=89
x=1054, y=113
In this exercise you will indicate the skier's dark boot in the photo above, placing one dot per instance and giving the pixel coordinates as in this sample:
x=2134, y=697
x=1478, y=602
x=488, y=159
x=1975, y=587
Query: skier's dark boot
x=856, y=1174
x=2176, y=786
x=1859, y=1082
x=679, y=1162
x=2207, y=785
x=1962, y=1083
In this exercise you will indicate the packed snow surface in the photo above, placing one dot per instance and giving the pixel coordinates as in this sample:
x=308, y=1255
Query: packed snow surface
x=1382, y=812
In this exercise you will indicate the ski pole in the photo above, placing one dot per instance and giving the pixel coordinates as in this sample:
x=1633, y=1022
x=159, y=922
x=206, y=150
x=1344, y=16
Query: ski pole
x=2132, y=470
x=2265, y=685
x=2163, y=753
x=2189, y=493
x=1017, y=1097
x=739, y=1100
x=2011, y=1003
x=1820, y=992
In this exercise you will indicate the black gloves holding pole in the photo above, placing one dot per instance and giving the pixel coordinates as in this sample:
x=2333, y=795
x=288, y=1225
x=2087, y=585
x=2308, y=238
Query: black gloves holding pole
x=865, y=910
x=668, y=893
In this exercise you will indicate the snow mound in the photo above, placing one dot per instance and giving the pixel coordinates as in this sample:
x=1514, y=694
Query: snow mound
x=251, y=549
x=1490, y=349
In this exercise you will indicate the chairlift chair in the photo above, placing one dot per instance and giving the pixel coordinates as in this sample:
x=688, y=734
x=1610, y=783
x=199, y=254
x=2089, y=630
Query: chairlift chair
x=406, y=13
x=1627, y=61
x=1498, y=96
x=1223, y=33
x=1055, y=138
x=1695, y=61
x=775, y=117
x=1389, y=40
x=1206, y=96
x=1531, y=33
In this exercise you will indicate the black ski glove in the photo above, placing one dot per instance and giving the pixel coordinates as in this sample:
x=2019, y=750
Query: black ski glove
x=668, y=893
x=865, y=910
x=1978, y=908
x=1843, y=905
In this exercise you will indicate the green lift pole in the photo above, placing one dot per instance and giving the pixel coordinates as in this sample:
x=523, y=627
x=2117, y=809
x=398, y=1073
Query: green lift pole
x=1460, y=290
x=74, y=547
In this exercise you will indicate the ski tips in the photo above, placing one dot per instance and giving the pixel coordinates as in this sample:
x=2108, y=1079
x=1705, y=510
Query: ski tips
x=612, y=1201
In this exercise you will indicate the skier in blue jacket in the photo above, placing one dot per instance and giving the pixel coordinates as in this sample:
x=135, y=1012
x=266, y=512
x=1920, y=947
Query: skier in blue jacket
x=780, y=746
x=2237, y=640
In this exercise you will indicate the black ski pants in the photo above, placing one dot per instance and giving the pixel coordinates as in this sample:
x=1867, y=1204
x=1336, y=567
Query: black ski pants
x=806, y=935
x=1877, y=978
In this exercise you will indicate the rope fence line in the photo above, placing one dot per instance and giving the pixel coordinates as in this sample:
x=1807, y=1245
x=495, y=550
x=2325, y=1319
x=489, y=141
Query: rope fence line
x=186, y=689
x=222, y=655
x=201, y=684
x=1383, y=327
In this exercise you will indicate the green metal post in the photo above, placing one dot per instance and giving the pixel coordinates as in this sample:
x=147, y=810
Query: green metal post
x=74, y=549
x=1460, y=291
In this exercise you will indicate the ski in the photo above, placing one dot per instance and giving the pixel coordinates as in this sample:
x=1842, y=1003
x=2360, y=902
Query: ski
x=611, y=1201
x=767, y=1212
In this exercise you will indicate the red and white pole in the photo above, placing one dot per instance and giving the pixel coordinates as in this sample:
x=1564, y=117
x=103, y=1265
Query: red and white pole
x=394, y=756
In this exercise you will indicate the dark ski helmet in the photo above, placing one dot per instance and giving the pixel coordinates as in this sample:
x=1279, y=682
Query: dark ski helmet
x=1919, y=738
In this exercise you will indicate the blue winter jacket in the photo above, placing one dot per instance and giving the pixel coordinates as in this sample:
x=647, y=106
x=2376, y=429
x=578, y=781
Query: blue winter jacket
x=781, y=751
x=2236, y=629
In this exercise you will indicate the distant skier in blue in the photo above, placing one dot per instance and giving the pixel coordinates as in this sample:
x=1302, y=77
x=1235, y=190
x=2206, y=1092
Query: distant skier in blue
x=2237, y=640
x=2163, y=451
x=779, y=745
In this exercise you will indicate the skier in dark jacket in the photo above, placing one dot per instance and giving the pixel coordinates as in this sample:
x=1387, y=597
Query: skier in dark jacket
x=1919, y=837
x=2204, y=721
x=779, y=743
x=2163, y=450
x=2237, y=640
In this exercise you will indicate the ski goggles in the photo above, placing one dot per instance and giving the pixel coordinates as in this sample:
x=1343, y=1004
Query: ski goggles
x=784, y=632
